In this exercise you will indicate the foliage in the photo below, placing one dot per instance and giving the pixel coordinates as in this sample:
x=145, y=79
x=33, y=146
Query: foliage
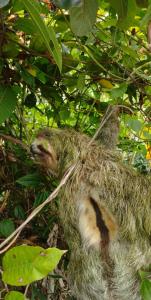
x=25, y=264
x=146, y=289
x=145, y=285
x=62, y=65
x=6, y=227
x=15, y=296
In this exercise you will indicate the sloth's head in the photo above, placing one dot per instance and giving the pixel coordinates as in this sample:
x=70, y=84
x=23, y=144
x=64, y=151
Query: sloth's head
x=54, y=150
x=44, y=149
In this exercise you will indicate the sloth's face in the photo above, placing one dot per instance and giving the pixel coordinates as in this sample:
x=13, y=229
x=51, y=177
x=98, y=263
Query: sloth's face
x=44, y=153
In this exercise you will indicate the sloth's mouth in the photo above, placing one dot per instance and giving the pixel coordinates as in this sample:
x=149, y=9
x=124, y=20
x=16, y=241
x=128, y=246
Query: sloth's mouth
x=45, y=157
x=39, y=150
x=44, y=151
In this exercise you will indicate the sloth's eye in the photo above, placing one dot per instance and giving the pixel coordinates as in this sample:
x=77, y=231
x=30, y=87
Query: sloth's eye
x=47, y=134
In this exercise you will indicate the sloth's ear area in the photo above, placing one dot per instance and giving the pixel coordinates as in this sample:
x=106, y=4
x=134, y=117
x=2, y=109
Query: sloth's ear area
x=44, y=154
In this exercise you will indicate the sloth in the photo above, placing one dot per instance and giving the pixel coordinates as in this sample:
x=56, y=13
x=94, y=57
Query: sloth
x=105, y=210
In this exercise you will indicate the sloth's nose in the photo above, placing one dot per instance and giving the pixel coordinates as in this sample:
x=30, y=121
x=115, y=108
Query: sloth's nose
x=32, y=147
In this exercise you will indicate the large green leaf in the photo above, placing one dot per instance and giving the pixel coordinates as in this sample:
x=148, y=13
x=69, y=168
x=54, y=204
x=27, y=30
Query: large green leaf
x=8, y=101
x=47, y=34
x=82, y=17
x=146, y=289
x=120, y=7
x=134, y=124
x=25, y=25
x=126, y=10
x=25, y=264
x=131, y=12
x=13, y=295
x=30, y=180
x=119, y=92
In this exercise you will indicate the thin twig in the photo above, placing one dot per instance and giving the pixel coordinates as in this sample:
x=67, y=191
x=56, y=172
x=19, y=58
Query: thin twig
x=124, y=106
x=11, y=243
x=26, y=289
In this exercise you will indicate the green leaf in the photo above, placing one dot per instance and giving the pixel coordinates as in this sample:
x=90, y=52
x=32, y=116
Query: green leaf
x=8, y=100
x=47, y=34
x=143, y=274
x=81, y=82
x=30, y=180
x=131, y=12
x=13, y=295
x=148, y=90
x=134, y=124
x=130, y=52
x=3, y=3
x=17, y=6
x=37, y=43
x=146, y=289
x=126, y=10
x=120, y=7
x=64, y=114
x=147, y=17
x=19, y=212
x=25, y=264
x=26, y=25
x=40, y=198
x=120, y=91
x=83, y=17
x=6, y=227
x=10, y=50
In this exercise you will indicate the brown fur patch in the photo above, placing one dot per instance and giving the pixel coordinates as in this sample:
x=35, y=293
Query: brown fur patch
x=104, y=232
x=110, y=222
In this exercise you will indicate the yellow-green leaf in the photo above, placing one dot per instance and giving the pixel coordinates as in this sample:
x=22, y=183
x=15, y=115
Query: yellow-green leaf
x=14, y=295
x=25, y=264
